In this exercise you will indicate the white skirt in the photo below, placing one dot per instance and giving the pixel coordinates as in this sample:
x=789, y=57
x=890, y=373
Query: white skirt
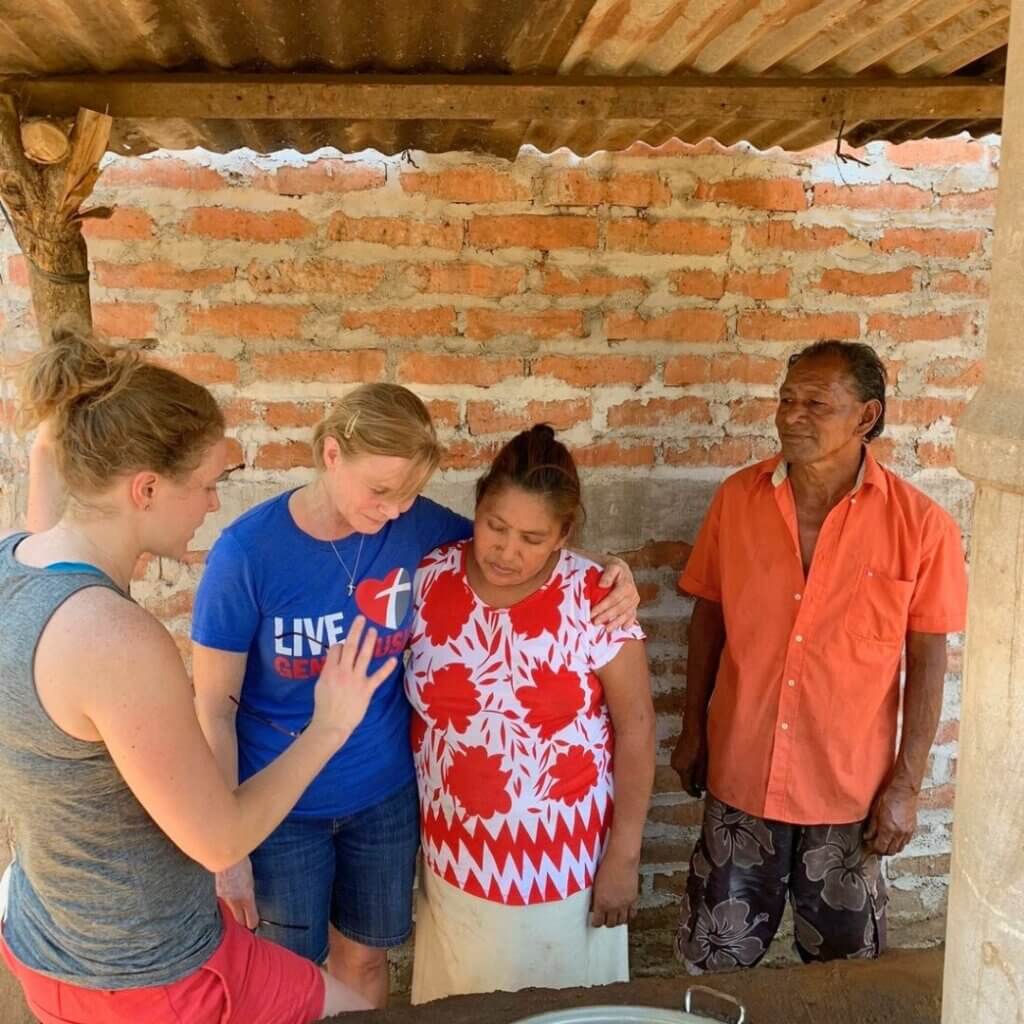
x=467, y=944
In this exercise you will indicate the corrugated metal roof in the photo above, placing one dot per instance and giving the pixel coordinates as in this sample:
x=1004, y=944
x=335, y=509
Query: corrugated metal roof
x=821, y=38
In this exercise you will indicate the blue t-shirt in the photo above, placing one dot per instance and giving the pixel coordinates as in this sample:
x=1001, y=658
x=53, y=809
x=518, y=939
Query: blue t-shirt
x=272, y=591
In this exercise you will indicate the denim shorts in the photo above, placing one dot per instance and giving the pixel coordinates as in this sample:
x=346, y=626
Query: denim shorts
x=354, y=872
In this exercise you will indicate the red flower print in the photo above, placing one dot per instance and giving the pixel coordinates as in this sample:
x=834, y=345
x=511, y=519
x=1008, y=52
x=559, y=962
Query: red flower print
x=595, y=592
x=450, y=697
x=595, y=701
x=447, y=603
x=540, y=611
x=574, y=775
x=476, y=780
x=553, y=702
x=417, y=731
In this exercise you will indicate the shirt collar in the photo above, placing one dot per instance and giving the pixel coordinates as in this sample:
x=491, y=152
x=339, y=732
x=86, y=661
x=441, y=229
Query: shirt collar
x=870, y=473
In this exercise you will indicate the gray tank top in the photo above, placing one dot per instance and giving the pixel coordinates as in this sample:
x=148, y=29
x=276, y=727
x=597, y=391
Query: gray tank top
x=99, y=896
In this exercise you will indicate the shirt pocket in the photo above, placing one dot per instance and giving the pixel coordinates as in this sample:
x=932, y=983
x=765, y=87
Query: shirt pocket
x=878, y=608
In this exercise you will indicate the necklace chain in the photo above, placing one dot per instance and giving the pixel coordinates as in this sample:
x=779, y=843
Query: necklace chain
x=351, y=575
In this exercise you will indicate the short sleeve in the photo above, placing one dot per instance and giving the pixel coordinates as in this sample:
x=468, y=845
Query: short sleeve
x=939, y=601
x=227, y=613
x=702, y=576
x=436, y=525
x=603, y=643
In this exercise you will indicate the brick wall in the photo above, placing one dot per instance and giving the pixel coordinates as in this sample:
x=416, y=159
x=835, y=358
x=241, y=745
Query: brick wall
x=643, y=303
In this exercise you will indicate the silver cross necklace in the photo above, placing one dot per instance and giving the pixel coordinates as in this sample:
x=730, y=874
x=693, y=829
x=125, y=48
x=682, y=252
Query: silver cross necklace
x=351, y=575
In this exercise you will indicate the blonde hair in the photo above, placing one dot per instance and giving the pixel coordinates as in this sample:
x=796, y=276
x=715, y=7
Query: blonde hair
x=380, y=419
x=113, y=412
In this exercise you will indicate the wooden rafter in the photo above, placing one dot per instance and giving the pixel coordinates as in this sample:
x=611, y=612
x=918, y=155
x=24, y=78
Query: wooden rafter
x=504, y=98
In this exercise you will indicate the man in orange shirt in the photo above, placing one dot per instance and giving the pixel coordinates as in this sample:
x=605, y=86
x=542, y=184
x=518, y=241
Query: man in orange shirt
x=813, y=572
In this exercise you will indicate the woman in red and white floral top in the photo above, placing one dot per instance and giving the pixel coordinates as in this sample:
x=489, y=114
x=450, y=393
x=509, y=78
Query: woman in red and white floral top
x=528, y=719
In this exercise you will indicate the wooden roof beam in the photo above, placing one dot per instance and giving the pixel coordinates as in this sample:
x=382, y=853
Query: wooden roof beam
x=505, y=98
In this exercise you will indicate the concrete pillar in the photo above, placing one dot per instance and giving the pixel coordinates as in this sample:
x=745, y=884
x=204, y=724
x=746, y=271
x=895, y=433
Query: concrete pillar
x=984, y=975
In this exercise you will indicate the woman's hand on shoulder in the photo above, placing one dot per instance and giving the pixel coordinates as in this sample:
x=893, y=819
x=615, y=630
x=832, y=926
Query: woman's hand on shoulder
x=618, y=609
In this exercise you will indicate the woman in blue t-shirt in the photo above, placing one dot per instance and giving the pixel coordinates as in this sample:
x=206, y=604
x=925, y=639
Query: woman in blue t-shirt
x=281, y=585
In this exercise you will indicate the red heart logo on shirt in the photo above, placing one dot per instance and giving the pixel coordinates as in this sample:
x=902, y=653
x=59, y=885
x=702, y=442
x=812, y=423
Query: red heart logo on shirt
x=386, y=601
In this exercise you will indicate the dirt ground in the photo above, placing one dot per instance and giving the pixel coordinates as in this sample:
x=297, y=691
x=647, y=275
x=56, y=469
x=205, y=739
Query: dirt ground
x=901, y=988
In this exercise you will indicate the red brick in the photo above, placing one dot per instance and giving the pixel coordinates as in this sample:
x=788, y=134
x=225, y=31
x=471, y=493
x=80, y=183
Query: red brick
x=171, y=606
x=160, y=275
x=438, y=321
x=766, y=326
x=755, y=193
x=781, y=234
x=688, y=237
x=848, y=282
x=357, y=366
x=324, y=176
x=923, y=327
x=592, y=371
x=578, y=188
x=938, y=797
x=755, y=285
x=427, y=368
x=238, y=411
x=658, y=554
x=955, y=283
x=680, y=325
x=933, y=866
x=293, y=414
x=722, y=369
x=937, y=153
x=17, y=271
x=556, y=282
x=746, y=412
x=533, y=232
x=969, y=202
x=396, y=231
x=443, y=413
x=247, y=320
x=730, y=451
x=246, y=225
x=887, y=197
x=161, y=172
x=468, y=279
x=656, y=412
x=936, y=456
x=704, y=284
x=955, y=373
x=469, y=455
x=485, y=324
x=931, y=241
x=611, y=453
x=922, y=412
x=284, y=455
x=125, y=225
x=203, y=367
x=124, y=319
x=316, y=276
x=465, y=185
x=949, y=732
x=494, y=418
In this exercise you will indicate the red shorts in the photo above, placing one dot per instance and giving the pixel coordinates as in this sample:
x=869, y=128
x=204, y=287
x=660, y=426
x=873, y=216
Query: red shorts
x=246, y=981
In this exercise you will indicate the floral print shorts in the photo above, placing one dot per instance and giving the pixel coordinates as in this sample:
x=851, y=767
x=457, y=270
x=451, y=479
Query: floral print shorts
x=744, y=868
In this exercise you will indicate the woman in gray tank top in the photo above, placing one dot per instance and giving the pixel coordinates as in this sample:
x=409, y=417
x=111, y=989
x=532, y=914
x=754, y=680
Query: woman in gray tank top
x=119, y=810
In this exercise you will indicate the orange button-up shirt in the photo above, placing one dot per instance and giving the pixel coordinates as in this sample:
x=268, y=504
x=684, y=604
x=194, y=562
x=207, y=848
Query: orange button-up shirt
x=802, y=721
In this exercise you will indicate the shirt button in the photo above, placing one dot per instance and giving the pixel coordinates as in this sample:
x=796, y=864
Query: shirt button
x=792, y=682
x=799, y=639
x=796, y=597
x=784, y=726
x=853, y=501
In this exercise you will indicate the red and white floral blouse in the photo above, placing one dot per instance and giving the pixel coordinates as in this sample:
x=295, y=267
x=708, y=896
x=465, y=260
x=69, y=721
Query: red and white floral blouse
x=510, y=731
